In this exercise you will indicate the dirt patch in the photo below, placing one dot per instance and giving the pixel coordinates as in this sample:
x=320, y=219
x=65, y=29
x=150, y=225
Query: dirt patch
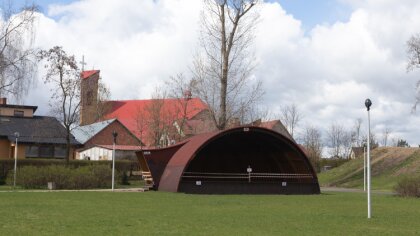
x=385, y=162
x=391, y=161
x=413, y=167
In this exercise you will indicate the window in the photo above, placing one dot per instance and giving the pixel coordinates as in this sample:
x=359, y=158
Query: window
x=60, y=152
x=32, y=151
x=19, y=113
x=46, y=151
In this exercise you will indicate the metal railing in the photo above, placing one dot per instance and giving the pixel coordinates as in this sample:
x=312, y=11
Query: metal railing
x=244, y=176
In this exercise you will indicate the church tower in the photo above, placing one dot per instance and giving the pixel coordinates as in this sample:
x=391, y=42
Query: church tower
x=89, y=97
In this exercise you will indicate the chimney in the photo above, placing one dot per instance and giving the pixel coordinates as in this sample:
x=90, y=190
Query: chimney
x=3, y=101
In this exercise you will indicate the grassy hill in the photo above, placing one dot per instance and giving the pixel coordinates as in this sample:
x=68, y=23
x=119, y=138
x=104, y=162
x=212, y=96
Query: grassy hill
x=389, y=164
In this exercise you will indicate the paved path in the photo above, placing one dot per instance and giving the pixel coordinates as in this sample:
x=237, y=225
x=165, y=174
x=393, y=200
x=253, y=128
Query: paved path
x=354, y=190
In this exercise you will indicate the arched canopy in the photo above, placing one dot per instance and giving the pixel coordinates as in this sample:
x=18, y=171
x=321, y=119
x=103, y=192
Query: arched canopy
x=240, y=160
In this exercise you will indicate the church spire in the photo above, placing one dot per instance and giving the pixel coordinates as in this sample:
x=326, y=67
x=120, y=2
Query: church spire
x=83, y=63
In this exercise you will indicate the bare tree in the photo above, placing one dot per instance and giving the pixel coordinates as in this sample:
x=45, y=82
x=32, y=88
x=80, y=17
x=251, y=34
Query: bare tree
x=336, y=137
x=347, y=143
x=356, y=133
x=222, y=71
x=159, y=117
x=290, y=117
x=140, y=118
x=155, y=120
x=180, y=89
x=312, y=141
x=373, y=141
x=63, y=73
x=413, y=52
x=257, y=113
x=17, y=57
x=385, y=136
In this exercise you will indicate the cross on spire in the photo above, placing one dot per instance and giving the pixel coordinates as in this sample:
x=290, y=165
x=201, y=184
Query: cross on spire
x=83, y=63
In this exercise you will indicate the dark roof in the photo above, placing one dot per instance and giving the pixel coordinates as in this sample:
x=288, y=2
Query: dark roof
x=19, y=107
x=37, y=129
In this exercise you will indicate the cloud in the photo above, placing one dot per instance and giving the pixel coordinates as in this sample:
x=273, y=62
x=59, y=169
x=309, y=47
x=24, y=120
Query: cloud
x=328, y=70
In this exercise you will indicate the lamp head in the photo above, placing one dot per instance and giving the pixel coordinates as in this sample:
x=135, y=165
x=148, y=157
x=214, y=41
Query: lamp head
x=368, y=103
x=115, y=134
x=16, y=134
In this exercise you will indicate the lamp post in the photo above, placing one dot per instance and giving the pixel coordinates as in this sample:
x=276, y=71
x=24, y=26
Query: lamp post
x=16, y=151
x=114, y=135
x=368, y=103
x=249, y=170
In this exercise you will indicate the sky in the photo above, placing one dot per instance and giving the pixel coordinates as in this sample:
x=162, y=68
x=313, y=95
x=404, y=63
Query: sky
x=326, y=56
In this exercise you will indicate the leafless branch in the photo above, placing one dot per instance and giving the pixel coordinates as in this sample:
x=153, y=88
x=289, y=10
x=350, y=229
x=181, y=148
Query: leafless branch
x=17, y=57
x=222, y=71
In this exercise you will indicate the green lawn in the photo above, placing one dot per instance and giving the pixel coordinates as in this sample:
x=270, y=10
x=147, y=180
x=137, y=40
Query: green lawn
x=158, y=213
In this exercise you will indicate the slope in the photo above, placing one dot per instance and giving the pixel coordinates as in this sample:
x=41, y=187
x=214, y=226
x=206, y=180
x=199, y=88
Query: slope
x=389, y=164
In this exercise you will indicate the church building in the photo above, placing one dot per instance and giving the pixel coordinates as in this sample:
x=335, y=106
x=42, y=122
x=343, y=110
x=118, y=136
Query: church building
x=155, y=122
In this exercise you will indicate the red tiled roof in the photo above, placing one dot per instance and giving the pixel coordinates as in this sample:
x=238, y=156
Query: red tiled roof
x=88, y=73
x=129, y=111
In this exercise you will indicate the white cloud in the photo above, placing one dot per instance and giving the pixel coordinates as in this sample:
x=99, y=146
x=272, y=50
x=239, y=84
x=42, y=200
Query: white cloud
x=328, y=70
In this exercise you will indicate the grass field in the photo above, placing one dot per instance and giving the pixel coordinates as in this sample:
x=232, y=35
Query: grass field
x=158, y=213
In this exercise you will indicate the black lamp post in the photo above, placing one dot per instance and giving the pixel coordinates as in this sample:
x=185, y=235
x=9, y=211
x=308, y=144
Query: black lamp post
x=368, y=104
x=114, y=135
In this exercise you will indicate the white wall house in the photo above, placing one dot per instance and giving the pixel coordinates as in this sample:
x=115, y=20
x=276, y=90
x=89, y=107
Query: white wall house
x=96, y=154
x=104, y=152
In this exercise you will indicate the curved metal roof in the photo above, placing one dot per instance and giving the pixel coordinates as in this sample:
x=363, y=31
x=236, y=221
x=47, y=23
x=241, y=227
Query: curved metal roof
x=171, y=177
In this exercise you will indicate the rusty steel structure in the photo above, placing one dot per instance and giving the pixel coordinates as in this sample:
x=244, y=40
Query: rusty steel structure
x=242, y=160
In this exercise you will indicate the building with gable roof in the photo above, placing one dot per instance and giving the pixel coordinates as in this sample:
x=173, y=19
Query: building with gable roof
x=156, y=122
x=38, y=136
x=97, y=141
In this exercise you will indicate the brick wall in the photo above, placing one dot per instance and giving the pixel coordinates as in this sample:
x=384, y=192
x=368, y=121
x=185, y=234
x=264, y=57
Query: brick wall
x=4, y=149
x=89, y=100
x=105, y=136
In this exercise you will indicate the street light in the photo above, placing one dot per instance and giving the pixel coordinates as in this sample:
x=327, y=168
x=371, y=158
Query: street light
x=249, y=170
x=16, y=151
x=114, y=135
x=368, y=103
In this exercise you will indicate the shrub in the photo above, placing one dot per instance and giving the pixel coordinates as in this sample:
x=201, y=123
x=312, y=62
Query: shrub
x=408, y=187
x=7, y=166
x=85, y=177
x=123, y=177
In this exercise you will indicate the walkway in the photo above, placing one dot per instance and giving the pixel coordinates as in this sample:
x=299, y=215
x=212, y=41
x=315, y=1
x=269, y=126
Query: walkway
x=354, y=190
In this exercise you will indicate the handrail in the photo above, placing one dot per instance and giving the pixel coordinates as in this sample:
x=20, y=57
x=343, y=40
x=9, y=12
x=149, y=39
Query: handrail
x=207, y=175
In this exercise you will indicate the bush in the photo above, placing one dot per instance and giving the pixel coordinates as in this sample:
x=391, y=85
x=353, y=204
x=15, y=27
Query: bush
x=85, y=177
x=408, y=187
x=124, y=178
x=7, y=166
